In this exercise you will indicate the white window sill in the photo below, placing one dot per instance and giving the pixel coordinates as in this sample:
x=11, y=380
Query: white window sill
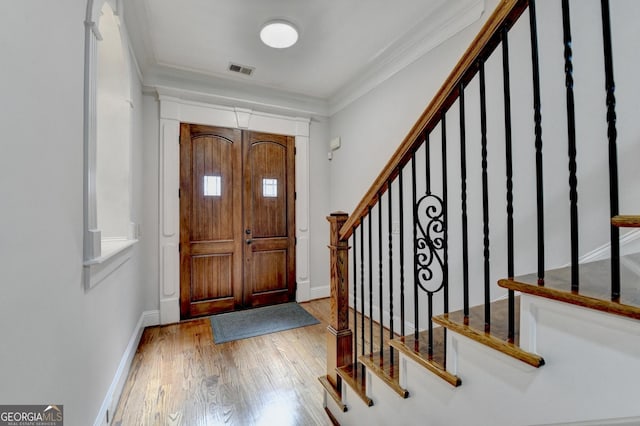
x=114, y=253
x=109, y=249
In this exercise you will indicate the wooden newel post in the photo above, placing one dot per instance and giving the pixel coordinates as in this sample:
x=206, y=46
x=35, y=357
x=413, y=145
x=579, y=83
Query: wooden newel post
x=339, y=336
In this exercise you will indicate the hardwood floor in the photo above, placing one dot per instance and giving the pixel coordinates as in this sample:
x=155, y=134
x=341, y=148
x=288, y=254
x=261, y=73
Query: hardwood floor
x=180, y=377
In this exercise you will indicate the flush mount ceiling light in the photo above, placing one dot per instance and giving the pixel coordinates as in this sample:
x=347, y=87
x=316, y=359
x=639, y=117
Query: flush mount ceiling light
x=279, y=34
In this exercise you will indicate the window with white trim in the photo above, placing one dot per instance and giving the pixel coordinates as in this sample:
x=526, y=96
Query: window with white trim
x=108, y=132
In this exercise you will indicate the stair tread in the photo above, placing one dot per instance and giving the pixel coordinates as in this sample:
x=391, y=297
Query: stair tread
x=595, y=286
x=496, y=336
x=499, y=319
x=354, y=375
x=418, y=350
x=626, y=221
x=386, y=367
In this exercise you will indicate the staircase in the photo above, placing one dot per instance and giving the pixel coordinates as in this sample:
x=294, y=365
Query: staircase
x=424, y=328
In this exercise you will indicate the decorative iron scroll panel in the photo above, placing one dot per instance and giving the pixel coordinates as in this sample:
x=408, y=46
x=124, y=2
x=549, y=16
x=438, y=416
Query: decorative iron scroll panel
x=430, y=243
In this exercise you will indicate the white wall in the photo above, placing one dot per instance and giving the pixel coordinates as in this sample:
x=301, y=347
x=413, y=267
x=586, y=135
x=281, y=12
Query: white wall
x=151, y=209
x=60, y=344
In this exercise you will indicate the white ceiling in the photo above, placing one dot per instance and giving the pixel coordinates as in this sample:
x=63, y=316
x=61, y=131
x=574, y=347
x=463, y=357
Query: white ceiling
x=345, y=46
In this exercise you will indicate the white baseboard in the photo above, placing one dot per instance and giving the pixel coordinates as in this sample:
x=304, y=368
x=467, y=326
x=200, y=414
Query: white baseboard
x=319, y=292
x=147, y=318
x=627, y=421
x=409, y=327
x=629, y=243
x=150, y=318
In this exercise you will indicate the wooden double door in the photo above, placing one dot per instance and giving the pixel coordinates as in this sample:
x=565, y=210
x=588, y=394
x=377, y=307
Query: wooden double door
x=237, y=230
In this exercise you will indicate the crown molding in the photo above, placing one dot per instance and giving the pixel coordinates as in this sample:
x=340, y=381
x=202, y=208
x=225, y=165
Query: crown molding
x=194, y=86
x=447, y=21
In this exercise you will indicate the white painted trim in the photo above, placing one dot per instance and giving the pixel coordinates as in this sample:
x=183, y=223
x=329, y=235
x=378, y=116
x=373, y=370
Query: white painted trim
x=303, y=292
x=115, y=247
x=92, y=244
x=320, y=292
x=110, y=402
x=626, y=421
x=169, y=310
x=89, y=131
x=96, y=270
x=224, y=92
x=628, y=243
x=173, y=111
x=587, y=316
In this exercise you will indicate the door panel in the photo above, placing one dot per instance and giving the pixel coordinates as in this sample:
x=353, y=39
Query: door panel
x=271, y=267
x=210, y=220
x=207, y=269
x=269, y=218
x=212, y=201
x=268, y=165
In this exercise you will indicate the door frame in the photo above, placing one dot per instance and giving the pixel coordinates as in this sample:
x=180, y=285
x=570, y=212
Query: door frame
x=173, y=111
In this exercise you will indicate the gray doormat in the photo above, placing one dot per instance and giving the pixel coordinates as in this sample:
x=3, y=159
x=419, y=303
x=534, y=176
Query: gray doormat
x=256, y=322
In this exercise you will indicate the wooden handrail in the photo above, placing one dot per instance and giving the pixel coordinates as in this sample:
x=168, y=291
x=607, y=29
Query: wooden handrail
x=505, y=14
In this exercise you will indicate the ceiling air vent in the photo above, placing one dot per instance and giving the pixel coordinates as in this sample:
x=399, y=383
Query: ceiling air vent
x=242, y=69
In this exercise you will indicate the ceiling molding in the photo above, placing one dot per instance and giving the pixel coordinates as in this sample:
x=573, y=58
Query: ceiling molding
x=410, y=48
x=203, y=88
x=137, y=17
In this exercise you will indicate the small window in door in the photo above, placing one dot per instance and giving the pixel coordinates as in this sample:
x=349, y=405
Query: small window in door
x=270, y=188
x=212, y=186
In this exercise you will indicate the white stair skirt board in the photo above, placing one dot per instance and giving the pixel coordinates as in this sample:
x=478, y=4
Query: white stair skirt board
x=592, y=364
x=629, y=244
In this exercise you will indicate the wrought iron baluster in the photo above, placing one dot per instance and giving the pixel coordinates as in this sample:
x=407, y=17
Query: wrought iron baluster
x=370, y=286
x=415, y=248
x=390, y=229
x=509, y=168
x=612, y=134
x=362, y=285
x=445, y=243
x=485, y=200
x=445, y=192
x=401, y=214
x=355, y=290
x=427, y=157
x=571, y=139
x=430, y=248
x=537, y=117
x=463, y=197
x=380, y=302
x=430, y=324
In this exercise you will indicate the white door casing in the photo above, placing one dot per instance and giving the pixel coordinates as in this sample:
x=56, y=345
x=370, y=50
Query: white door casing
x=173, y=111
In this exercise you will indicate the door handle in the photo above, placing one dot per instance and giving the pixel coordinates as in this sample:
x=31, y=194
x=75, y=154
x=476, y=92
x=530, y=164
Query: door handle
x=248, y=241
